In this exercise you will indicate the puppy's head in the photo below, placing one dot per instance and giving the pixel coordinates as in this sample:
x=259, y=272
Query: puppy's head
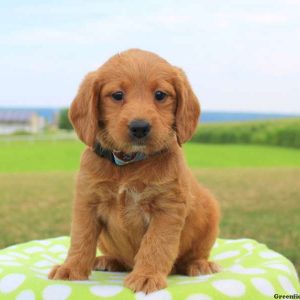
x=136, y=101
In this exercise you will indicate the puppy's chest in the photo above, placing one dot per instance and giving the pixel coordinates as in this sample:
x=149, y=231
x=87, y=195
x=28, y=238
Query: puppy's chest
x=127, y=207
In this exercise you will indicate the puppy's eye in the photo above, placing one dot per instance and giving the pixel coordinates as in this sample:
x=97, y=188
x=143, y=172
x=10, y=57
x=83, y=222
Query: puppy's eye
x=159, y=95
x=118, y=96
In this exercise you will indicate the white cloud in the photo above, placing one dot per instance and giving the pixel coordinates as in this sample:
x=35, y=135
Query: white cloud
x=235, y=52
x=106, y=29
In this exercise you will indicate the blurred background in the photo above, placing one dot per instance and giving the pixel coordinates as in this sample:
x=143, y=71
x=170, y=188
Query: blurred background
x=242, y=58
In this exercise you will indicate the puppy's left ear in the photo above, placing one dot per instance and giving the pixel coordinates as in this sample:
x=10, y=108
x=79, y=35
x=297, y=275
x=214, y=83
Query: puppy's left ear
x=188, y=108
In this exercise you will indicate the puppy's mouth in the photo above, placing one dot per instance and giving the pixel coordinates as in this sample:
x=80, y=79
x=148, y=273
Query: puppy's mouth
x=136, y=146
x=140, y=142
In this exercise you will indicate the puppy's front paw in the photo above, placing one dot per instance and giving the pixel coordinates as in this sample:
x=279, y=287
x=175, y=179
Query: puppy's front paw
x=67, y=272
x=139, y=282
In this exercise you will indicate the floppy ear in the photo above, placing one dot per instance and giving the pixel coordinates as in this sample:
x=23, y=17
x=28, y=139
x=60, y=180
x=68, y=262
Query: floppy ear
x=83, y=112
x=188, y=108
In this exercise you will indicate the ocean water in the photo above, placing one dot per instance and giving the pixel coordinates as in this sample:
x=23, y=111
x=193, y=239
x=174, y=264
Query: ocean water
x=206, y=116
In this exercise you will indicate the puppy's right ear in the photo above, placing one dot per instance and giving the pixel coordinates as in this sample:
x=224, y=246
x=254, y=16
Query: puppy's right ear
x=83, y=112
x=188, y=108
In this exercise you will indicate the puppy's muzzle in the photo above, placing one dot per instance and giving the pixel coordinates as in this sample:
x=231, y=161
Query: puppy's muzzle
x=139, y=129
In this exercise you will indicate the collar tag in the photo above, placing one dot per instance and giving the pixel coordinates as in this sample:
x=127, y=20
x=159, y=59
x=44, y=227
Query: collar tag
x=124, y=159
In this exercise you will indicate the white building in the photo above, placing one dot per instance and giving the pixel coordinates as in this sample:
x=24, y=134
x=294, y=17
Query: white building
x=13, y=120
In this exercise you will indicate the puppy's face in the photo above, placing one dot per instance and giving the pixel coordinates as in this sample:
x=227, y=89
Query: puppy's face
x=135, y=102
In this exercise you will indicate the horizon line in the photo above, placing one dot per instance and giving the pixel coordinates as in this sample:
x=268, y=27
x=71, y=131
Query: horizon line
x=203, y=110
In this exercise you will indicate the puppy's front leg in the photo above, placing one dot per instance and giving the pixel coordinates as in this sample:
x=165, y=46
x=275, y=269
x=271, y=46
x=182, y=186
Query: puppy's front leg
x=84, y=234
x=158, y=250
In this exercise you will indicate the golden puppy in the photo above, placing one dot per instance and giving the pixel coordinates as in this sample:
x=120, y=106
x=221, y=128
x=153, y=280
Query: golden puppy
x=135, y=197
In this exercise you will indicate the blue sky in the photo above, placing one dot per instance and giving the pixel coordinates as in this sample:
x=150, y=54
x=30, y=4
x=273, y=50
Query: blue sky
x=239, y=55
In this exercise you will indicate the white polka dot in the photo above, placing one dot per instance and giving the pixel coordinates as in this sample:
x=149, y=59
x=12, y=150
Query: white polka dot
x=286, y=284
x=279, y=267
x=41, y=271
x=161, y=295
x=56, y=292
x=236, y=241
x=58, y=248
x=248, y=247
x=26, y=295
x=45, y=243
x=60, y=238
x=35, y=249
x=268, y=254
x=227, y=254
x=6, y=257
x=263, y=286
x=10, y=263
x=43, y=263
x=106, y=290
x=198, y=297
x=230, y=287
x=11, y=282
x=19, y=255
x=62, y=256
x=50, y=258
x=241, y=270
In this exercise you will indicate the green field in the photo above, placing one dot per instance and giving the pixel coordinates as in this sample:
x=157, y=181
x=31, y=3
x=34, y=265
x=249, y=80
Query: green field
x=26, y=156
x=258, y=188
x=65, y=155
x=240, y=156
x=280, y=132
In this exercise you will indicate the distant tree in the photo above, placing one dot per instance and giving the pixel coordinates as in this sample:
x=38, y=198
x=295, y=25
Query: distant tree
x=63, y=120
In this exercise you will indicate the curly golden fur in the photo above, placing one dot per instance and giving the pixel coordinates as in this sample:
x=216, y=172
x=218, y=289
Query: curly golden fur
x=150, y=217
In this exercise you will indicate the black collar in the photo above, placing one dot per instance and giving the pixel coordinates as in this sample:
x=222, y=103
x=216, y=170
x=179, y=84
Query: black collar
x=119, y=158
x=100, y=151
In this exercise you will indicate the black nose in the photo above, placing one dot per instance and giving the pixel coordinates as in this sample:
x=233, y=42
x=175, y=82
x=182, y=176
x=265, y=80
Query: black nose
x=139, y=128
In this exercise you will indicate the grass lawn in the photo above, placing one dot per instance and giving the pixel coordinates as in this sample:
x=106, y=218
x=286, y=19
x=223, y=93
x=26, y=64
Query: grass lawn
x=26, y=156
x=37, y=182
x=29, y=156
x=240, y=156
x=262, y=204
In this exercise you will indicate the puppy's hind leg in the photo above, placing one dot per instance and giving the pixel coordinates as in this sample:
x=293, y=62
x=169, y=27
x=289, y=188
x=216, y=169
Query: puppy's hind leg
x=201, y=267
x=195, y=262
x=108, y=263
x=194, y=266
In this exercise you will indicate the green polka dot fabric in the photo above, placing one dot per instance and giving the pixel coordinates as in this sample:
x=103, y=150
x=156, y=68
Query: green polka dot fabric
x=250, y=271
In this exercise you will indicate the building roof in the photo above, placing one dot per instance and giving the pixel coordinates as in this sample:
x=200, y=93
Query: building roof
x=15, y=116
